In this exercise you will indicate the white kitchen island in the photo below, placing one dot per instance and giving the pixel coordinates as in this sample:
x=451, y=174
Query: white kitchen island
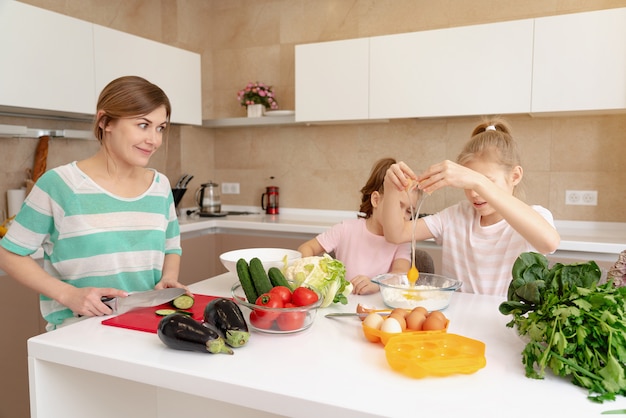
x=92, y=370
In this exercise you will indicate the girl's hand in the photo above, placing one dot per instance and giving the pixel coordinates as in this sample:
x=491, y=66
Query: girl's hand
x=447, y=173
x=363, y=285
x=400, y=175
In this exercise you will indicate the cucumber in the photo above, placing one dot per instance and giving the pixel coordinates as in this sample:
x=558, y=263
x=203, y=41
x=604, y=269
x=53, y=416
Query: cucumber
x=183, y=302
x=277, y=278
x=261, y=282
x=243, y=272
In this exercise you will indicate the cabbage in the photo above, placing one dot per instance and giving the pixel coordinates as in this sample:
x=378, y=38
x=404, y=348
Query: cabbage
x=325, y=274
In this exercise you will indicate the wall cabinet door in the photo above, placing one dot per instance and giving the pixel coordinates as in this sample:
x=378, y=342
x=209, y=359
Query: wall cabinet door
x=471, y=70
x=332, y=81
x=47, y=61
x=175, y=70
x=580, y=62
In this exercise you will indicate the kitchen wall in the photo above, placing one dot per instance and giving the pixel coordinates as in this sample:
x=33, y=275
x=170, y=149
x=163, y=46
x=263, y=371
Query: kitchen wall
x=323, y=167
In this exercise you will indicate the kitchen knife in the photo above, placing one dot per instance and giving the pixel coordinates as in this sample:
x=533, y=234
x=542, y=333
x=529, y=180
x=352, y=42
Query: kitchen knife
x=142, y=299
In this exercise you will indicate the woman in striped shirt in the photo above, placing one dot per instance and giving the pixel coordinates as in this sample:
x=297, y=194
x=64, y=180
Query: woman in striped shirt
x=107, y=224
x=482, y=236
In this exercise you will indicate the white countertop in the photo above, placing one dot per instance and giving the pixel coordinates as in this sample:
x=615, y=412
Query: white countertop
x=577, y=236
x=327, y=370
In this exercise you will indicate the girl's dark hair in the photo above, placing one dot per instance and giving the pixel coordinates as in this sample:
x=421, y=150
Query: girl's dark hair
x=126, y=97
x=374, y=184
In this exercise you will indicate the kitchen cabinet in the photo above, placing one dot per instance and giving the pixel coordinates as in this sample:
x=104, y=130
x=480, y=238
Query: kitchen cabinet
x=471, y=70
x=197, y=261
x=332, y=81
x=580, y=62
x=22, y=320
x=47, y=62
x=55, y=65
x=175, y=70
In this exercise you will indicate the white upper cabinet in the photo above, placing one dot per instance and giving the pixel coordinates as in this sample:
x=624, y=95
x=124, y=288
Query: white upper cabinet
x=53, y=64
x=332, y=81
x=47, y=61
x=580, y=62
x=470, y=70
x=175, y=70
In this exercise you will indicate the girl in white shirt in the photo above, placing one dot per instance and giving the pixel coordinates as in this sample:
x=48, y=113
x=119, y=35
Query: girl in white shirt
x=480, y=237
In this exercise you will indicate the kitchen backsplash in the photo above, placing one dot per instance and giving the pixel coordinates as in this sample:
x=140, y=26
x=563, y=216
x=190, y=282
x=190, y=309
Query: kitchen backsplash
x=323, y=167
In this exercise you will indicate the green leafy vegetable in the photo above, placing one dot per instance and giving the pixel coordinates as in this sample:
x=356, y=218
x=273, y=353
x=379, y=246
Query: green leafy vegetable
x=576, y=326
x=323, y=273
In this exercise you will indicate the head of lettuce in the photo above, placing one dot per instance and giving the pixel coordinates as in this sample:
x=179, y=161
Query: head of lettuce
x=325, y=274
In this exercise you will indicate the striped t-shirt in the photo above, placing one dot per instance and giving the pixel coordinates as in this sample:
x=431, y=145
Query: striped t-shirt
x=481, y=257
x=92, y=238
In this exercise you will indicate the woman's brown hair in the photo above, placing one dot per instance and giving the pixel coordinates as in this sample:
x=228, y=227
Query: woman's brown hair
x=126, y=97
x=374, y=184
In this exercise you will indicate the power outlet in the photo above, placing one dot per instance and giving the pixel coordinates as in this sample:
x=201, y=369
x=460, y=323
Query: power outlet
x=581, y=197
x=230, y=188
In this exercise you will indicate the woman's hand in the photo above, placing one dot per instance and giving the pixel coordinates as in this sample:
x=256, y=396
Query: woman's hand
x=169, y=283
x=363, y=285
x=87, y=301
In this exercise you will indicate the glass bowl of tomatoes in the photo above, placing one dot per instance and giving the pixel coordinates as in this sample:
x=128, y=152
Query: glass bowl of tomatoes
x=282, y=310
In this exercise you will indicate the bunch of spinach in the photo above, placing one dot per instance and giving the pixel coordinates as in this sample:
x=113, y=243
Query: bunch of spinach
x=576, y=327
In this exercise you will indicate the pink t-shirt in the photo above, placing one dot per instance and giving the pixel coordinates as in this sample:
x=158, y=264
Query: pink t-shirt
x=361, y=251
x=481, y=257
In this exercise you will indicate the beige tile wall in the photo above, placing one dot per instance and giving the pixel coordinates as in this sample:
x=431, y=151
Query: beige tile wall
x=324, y=167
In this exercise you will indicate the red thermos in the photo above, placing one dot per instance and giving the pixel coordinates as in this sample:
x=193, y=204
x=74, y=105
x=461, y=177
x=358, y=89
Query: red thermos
x=269, y=200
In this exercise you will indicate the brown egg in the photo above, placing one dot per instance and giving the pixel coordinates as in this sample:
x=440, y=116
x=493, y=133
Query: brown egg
x=439, y=315
x=400, y=312
x=433, y=323
x=415, y=320
x=421, y=309
x=400, y=318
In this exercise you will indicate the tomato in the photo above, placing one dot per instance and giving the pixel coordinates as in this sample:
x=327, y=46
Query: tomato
x=303, y=296
x=262, y=323
x=268, y=300
x=290, y=321
x=283, y=291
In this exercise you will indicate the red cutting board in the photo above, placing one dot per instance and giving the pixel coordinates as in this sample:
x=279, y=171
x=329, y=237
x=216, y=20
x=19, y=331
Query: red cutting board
x=145, y=319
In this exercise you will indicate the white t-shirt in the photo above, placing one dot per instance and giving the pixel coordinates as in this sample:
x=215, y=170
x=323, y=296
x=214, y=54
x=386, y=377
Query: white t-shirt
x=481, y=257
x=361, y=251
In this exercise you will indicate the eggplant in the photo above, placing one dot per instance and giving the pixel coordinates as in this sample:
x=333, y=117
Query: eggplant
x=225, y=315
x=182, y=332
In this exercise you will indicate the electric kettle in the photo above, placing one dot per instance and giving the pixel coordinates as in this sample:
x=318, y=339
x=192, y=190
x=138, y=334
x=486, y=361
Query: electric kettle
x=208, y=198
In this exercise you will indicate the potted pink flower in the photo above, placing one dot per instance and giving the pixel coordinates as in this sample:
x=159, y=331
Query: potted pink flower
x=257, y=97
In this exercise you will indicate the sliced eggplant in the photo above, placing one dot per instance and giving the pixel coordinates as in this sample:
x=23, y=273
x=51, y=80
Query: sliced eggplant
x=182, y=332
x=227, y=317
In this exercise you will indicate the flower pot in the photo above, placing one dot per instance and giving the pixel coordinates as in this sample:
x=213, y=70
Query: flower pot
x=256, y=110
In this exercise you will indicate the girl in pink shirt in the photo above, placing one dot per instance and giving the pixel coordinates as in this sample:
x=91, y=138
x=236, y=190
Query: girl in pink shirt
x=360, y=243
x=480, y=237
